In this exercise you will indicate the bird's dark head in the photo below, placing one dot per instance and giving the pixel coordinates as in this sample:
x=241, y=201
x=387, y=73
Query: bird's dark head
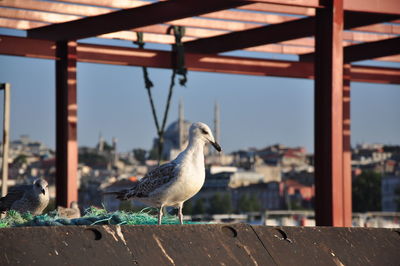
x=41, y=186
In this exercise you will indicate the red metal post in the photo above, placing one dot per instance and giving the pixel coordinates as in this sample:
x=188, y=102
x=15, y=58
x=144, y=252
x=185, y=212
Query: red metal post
x=347, y=181
x=66, y=122
x=329, y=115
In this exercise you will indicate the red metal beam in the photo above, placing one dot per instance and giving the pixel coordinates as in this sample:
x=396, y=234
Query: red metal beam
x=299, y=7
x=375, y=6
x=372, y=50
x=275, y=33
x=159, y=12
x=115, y=55
x=66, y=124
x=365, y=51
x=276, y=8
x=347, y=181
x=58, y=13
x=301, y=3
x=372, y=6
x=375, y=74
x=328, y=137
x=253, y=37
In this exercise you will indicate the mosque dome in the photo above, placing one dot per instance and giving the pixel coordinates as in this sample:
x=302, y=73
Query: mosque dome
x=171, y=134
x=176, y=135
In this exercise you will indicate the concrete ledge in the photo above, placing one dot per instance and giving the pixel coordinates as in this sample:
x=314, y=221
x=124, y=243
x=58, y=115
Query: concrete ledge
x=219, y=244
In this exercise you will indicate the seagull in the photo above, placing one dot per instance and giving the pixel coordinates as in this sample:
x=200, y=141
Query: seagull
x=71, y=213
x=173, y=183
x=27, y=198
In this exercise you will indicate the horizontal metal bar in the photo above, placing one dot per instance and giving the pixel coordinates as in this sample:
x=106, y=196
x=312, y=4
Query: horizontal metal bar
x=365, y=51
x=115, y=55
x=159, y=12
x=249, y=38
x=372, y=50
x=275, y=33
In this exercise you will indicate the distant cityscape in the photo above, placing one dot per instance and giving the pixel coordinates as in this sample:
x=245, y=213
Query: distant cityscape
x=271, y=178
x=250, y=180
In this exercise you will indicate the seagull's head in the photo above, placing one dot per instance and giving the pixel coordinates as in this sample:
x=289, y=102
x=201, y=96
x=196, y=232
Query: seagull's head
x=41, y=186
x=73, y=205
x=203, y=132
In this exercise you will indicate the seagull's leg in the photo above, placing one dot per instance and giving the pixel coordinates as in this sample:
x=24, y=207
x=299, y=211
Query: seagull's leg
x=160, y=215
x=180, y=215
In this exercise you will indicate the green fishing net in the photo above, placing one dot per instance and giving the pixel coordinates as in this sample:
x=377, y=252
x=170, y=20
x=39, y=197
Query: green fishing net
x=93, y=216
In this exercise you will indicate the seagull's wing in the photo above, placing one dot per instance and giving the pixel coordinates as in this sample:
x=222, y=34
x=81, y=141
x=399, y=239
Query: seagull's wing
x=14, y=194
x=152, y=180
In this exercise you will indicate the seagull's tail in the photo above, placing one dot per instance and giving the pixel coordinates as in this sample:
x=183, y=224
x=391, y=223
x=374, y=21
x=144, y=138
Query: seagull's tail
x=121, y=195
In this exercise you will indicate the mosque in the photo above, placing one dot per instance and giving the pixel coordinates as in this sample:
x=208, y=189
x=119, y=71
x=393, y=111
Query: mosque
x=176, y=134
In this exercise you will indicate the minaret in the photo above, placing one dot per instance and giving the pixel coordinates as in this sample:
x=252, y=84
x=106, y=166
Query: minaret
x=101, y=143
x=181, y=125
x=216, y=122
x=114, y=151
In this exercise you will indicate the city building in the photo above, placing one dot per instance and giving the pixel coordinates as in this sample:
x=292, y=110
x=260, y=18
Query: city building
x=390, y=193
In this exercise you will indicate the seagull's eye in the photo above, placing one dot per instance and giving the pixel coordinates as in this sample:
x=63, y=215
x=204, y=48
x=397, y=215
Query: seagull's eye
x=204, y=131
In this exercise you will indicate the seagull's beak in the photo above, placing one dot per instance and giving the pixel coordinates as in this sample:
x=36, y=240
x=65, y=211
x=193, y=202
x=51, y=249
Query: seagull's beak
x=43, y=191
x=216, y=146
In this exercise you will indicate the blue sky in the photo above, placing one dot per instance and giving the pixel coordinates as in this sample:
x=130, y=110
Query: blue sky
x=255, y=111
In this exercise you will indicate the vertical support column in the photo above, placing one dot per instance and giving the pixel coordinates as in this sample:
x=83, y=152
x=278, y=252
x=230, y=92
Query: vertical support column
x=66, y=124
x=6, y=138
x=329, y=115
x=347, y=180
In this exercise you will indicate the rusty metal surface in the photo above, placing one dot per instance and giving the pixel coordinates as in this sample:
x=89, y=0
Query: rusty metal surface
x=218, y=244
x=127, y=245
x=331, y=246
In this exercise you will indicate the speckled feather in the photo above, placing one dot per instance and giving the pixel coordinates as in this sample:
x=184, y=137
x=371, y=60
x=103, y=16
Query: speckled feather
x=152, y=181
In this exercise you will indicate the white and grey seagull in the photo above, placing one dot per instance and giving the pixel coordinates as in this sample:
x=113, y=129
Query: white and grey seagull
x=27, y=198
x=171, y=184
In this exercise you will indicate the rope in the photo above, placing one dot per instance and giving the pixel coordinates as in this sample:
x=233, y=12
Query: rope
x=179, y=52
x=161, y=134
x=179, y=68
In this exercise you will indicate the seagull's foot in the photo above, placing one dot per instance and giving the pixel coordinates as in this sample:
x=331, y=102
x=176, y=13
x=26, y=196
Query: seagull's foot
x=160, y=215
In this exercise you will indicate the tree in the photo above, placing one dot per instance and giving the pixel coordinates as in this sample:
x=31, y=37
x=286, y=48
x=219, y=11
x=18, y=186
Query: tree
x=367, y=192
x=153, y=154
x=248, y=204
x=188, y=206
x=93, y=159
x=397, y=197
x=255, y=203
x=20, y=160
x=220, y=204
x=198, y=207
x=140, y=155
